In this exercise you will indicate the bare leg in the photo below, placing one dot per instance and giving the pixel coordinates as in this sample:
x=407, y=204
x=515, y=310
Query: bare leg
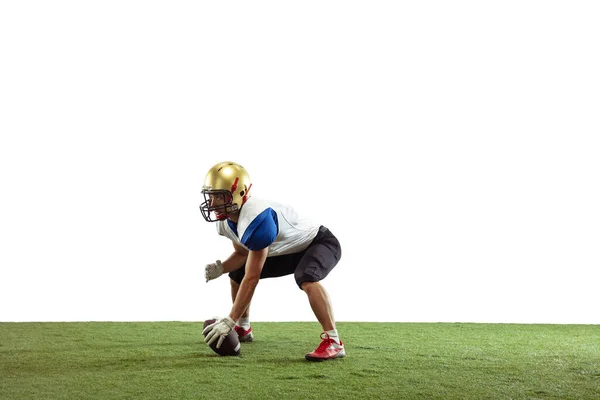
x=320, y=304
x=234, y=290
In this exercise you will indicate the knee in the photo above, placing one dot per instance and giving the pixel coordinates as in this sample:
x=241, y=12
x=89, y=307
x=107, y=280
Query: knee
x=306, y=279
x=307, y=286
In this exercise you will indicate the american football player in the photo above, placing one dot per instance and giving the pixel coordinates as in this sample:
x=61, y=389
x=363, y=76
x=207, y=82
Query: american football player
x=269, y=240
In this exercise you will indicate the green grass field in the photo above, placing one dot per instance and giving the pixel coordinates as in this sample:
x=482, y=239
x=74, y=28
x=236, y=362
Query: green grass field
x=169, y=360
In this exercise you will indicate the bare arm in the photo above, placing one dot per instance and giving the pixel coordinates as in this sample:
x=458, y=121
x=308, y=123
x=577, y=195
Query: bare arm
x=254, y=265
x=236, y=260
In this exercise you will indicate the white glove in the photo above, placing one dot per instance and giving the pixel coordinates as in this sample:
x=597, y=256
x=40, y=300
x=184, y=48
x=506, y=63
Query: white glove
x=218, y=330
x=213, y=271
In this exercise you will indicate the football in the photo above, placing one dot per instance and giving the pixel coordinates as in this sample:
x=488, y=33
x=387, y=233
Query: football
x=229, y=347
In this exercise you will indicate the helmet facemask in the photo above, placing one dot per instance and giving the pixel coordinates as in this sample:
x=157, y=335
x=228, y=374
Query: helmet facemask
x=218, y=201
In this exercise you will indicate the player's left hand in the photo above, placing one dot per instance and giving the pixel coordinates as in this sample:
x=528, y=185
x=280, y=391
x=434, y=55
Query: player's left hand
x=218, y=331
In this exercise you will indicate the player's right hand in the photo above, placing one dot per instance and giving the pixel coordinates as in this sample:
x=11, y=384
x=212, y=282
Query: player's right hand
x=218, y=331
x=213, y=271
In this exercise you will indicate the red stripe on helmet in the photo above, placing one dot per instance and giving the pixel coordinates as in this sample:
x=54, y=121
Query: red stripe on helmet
x=234, y=186
x=246, y=194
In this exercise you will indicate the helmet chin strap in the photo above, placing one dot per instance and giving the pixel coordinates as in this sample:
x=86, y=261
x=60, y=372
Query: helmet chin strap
x=227, y=212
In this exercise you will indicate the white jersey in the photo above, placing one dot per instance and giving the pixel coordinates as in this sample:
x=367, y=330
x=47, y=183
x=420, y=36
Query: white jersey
x=265, y=223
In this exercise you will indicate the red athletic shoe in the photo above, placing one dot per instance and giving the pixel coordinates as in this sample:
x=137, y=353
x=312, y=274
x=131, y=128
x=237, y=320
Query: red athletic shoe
x=243, y=334
x=327, y=350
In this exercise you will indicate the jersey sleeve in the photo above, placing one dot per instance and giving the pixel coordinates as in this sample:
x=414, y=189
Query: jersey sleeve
x=262, y=231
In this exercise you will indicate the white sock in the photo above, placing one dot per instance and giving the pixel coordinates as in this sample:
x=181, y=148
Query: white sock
x=244, y=323
x=333, y=334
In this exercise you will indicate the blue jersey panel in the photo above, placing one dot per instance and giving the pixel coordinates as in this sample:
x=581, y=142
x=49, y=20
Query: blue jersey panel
x=262, y=231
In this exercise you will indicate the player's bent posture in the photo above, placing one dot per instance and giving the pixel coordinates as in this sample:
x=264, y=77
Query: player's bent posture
x=270, y=240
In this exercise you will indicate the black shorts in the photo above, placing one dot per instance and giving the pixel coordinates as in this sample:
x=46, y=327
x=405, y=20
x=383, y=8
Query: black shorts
x=310, y=265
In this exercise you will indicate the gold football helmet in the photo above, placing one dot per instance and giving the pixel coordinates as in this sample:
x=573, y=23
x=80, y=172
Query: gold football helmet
x=226, y=189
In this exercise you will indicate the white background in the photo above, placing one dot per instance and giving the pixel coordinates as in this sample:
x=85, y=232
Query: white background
x=451, y=146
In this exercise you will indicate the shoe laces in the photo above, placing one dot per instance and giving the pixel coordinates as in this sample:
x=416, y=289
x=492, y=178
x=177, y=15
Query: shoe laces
x=325, y=343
